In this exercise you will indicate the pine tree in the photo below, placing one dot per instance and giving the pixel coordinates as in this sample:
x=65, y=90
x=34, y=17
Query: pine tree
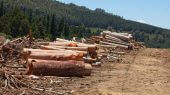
x=41, y=29
x=66, y=33
x=61, y=28
x=30, y=15
x=48, y=24
x=2, y=8
x=53, y=28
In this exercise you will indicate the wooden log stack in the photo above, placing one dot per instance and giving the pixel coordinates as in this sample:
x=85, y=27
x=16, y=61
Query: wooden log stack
x=61, y=58
x=109, y=39
x=112, y=44
x=120, y=40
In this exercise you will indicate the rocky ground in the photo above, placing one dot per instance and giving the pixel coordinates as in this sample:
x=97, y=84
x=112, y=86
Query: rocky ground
x=143, y=72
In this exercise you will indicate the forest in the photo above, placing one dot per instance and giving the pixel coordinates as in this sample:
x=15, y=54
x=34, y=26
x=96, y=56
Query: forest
x=48, y=19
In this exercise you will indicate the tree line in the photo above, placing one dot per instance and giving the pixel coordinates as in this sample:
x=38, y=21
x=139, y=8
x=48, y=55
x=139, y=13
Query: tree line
x=17, y=23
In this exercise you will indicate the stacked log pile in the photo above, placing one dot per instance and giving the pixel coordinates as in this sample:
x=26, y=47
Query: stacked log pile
x=113, y=40
x=114, y=44
x=61, y=58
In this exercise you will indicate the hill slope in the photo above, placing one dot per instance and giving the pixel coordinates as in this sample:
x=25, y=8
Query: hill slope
x=77, y=15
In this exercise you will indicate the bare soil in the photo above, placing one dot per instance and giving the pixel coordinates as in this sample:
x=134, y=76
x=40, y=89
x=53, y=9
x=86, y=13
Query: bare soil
x=143, y=72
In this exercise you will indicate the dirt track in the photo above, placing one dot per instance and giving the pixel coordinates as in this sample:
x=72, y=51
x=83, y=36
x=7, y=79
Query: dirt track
x=143, y=72
x=146, y=72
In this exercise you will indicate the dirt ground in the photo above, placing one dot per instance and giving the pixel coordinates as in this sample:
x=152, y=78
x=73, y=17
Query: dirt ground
x=146, y=72
x=143, y=72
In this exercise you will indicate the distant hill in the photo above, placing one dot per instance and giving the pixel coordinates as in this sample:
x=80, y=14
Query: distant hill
x=77, y=15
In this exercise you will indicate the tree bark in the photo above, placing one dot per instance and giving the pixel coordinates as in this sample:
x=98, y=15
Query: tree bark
x=112, y=44
x=117, y=35
x=60, y=56
x=59, y=68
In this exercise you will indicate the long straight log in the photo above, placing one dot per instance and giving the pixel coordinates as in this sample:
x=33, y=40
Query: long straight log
x=50, y=48
x=118, y=45
x=116, y=42
x=113, y=38
x=54, y=51
x=59, y=68
x=62, y=40
x=91, y=51
x=91, y=48
x=59, y=49
x=63, y=56
x=107, y=46
x=70, y=44
x=117, y=35
x=67, y=48
x=126, y=34
x=43, y=43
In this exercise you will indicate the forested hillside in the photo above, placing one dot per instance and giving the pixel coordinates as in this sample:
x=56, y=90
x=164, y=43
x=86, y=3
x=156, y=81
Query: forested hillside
x=49, y=19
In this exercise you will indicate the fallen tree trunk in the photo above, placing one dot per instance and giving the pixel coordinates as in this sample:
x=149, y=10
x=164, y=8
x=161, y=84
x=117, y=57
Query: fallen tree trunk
x=66, y=48
x=54, y=51
x=117, y=35
x=43, y=43
x=59, y=68
x=107, y=46
x=62, y=40
x=83, y=48
x=69, y=44
x=90, y=50
x=117, y=45
x=53, y=48
x=116, y=42
x=50, y=48
x=62, y=56
x=113, y=38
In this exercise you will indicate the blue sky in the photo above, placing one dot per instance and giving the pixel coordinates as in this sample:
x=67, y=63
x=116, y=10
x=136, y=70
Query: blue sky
x=155, y=12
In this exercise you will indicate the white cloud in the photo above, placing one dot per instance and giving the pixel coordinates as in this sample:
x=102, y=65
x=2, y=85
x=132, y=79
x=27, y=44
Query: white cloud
x=142, y=21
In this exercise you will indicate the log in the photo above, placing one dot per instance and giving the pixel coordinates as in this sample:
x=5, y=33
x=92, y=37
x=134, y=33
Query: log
x=116, y=42
x=113, y=38
x=117, y=45
x=55, y=51
x=62, y=40
x=53, y=48
x=97, y=37
x=62, y=56
x=117, y=35
x=91, y=48
x=49, y=48
x=107, y=46
x=59, y=68
x=126, y=34
x=43, y=43
x=69, y=44
x=68, y=48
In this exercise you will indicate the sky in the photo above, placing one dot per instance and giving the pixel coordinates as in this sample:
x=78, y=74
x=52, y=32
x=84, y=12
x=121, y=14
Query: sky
x=154, y=12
